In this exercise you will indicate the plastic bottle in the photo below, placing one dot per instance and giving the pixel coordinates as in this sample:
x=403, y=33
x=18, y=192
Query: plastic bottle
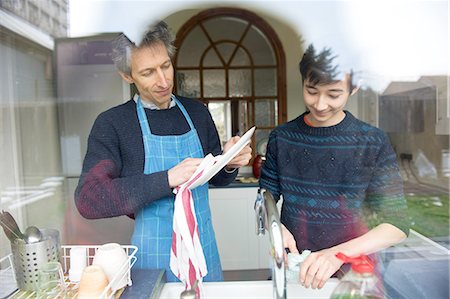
x=360, y=282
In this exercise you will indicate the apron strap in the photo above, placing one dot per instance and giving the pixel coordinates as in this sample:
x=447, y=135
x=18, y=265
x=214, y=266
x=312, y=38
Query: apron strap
x=183, y=110
x=143, y=121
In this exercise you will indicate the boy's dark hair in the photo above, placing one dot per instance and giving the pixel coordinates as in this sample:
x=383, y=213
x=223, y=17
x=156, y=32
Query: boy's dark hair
x=320, y=68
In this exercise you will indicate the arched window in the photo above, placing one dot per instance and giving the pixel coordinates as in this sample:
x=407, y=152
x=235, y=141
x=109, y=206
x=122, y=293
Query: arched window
x=233, y=61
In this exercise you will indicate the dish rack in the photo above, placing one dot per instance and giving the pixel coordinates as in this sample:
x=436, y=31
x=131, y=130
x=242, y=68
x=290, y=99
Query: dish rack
x=7, y=274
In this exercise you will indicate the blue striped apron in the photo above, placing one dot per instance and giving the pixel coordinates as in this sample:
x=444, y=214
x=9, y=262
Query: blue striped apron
x=153, y=224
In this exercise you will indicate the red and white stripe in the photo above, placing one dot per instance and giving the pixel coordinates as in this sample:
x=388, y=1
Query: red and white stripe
x=187, y=260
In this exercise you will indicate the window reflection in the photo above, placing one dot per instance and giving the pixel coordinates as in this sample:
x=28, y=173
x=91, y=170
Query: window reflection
x=414, y=111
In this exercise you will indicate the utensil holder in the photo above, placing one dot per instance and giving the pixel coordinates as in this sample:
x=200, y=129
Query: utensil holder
x=28, y=258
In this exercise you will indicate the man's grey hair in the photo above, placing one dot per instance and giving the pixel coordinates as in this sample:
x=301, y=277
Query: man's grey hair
x=121, y=53
x=122, y=46
x=159, y=32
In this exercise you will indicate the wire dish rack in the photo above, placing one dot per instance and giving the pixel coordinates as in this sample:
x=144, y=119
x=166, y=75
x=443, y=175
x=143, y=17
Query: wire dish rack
x=9, y=285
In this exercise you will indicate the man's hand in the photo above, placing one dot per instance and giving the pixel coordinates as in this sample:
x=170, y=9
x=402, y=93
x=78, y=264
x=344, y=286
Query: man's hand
x=181, y=172
x=242, y=158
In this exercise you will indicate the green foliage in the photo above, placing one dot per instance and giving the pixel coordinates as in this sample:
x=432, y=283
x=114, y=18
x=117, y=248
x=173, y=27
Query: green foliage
x=429, y=215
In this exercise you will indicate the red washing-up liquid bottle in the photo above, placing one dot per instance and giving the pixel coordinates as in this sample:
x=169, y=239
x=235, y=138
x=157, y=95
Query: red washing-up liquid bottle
x=257, y=164
x=360, y=282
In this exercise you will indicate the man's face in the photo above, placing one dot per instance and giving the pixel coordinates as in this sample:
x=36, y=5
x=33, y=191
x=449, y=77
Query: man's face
x=326, y=102
x=152, y=73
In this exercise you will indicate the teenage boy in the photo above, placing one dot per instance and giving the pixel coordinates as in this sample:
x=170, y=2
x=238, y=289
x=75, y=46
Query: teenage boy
x=334, y=173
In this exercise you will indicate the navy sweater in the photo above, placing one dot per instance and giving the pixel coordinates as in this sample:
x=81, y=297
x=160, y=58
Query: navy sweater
x=112, y=181
x=336, y=181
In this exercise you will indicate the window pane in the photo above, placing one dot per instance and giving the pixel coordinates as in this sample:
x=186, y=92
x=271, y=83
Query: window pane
x=213, y=83
x=234, y=28
x=225, y=50
x=188, y=84
x=221, y=114
x=240, y=58
x=265, y=82
x=244, y=116
x=192, y=48
x=212, y=59
x=261, y=50
x=240, y=83
x=262, y=137
x=266, y=113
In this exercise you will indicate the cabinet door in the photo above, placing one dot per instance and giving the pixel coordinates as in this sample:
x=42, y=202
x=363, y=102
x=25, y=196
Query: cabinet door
x=234, y=223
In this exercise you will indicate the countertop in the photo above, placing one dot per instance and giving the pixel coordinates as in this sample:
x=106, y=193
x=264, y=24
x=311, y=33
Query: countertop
x=237, y=184
x=147, y=283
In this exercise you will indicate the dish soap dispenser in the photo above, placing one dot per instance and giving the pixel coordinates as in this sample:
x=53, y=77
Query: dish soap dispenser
x=360, y=282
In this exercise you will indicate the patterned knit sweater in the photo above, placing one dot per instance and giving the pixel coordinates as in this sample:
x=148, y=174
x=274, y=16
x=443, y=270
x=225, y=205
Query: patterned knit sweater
x=336, y=182
x=112, y=181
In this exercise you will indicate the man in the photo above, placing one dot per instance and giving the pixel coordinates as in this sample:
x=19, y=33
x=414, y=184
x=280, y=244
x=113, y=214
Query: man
x=138, y=152
x=335, y=173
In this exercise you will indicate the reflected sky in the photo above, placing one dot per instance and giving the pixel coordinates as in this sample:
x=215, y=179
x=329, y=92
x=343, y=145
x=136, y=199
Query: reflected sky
x=383, y=40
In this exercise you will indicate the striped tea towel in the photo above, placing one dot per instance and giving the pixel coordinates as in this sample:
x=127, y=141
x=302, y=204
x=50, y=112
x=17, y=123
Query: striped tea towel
x=187, y=260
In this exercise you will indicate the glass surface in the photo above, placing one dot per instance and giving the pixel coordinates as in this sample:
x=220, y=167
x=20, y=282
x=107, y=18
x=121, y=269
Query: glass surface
x=214, y=83
x=51, y=281
x=265, y=82
x=266, y=113
x=262, y=137
x=259, y=47
x=43, y=137
x=225, y=28
x=226, y=50
x=188, y=83
x=241, y=58
x=192, y=48
x=239, y=82
x=244, y=116
x=220, y=112
x=212, y=59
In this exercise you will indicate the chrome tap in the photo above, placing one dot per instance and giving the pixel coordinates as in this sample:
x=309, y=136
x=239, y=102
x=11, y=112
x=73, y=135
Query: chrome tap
x=260, y=213
x=267, y=217
x=191, y=293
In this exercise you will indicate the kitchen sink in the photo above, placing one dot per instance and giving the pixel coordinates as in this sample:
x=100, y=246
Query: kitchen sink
x=249, y=289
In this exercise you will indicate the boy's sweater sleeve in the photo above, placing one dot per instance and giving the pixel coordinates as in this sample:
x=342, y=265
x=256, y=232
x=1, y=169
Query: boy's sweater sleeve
x=269, y=179
x=385, y=194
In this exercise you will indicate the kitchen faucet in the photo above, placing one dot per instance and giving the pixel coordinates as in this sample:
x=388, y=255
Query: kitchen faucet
x=267, y=217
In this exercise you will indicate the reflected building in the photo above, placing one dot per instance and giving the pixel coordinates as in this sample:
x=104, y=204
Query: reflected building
x=50, y=16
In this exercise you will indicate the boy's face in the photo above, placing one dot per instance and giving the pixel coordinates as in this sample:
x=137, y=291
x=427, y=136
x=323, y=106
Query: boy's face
x=326, y=102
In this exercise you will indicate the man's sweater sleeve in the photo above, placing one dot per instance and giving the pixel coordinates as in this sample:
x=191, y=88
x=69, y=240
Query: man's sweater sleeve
x=101, y=191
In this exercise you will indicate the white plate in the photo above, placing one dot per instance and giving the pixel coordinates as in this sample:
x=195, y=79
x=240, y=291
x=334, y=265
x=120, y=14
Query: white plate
x=261, y=147
x=222, y=160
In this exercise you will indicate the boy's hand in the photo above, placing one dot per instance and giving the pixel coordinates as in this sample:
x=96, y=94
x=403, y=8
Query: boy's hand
x=288, y=242
x=318, y=267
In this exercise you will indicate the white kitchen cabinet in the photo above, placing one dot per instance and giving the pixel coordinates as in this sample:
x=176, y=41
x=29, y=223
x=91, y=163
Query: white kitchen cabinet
x=234, y=223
